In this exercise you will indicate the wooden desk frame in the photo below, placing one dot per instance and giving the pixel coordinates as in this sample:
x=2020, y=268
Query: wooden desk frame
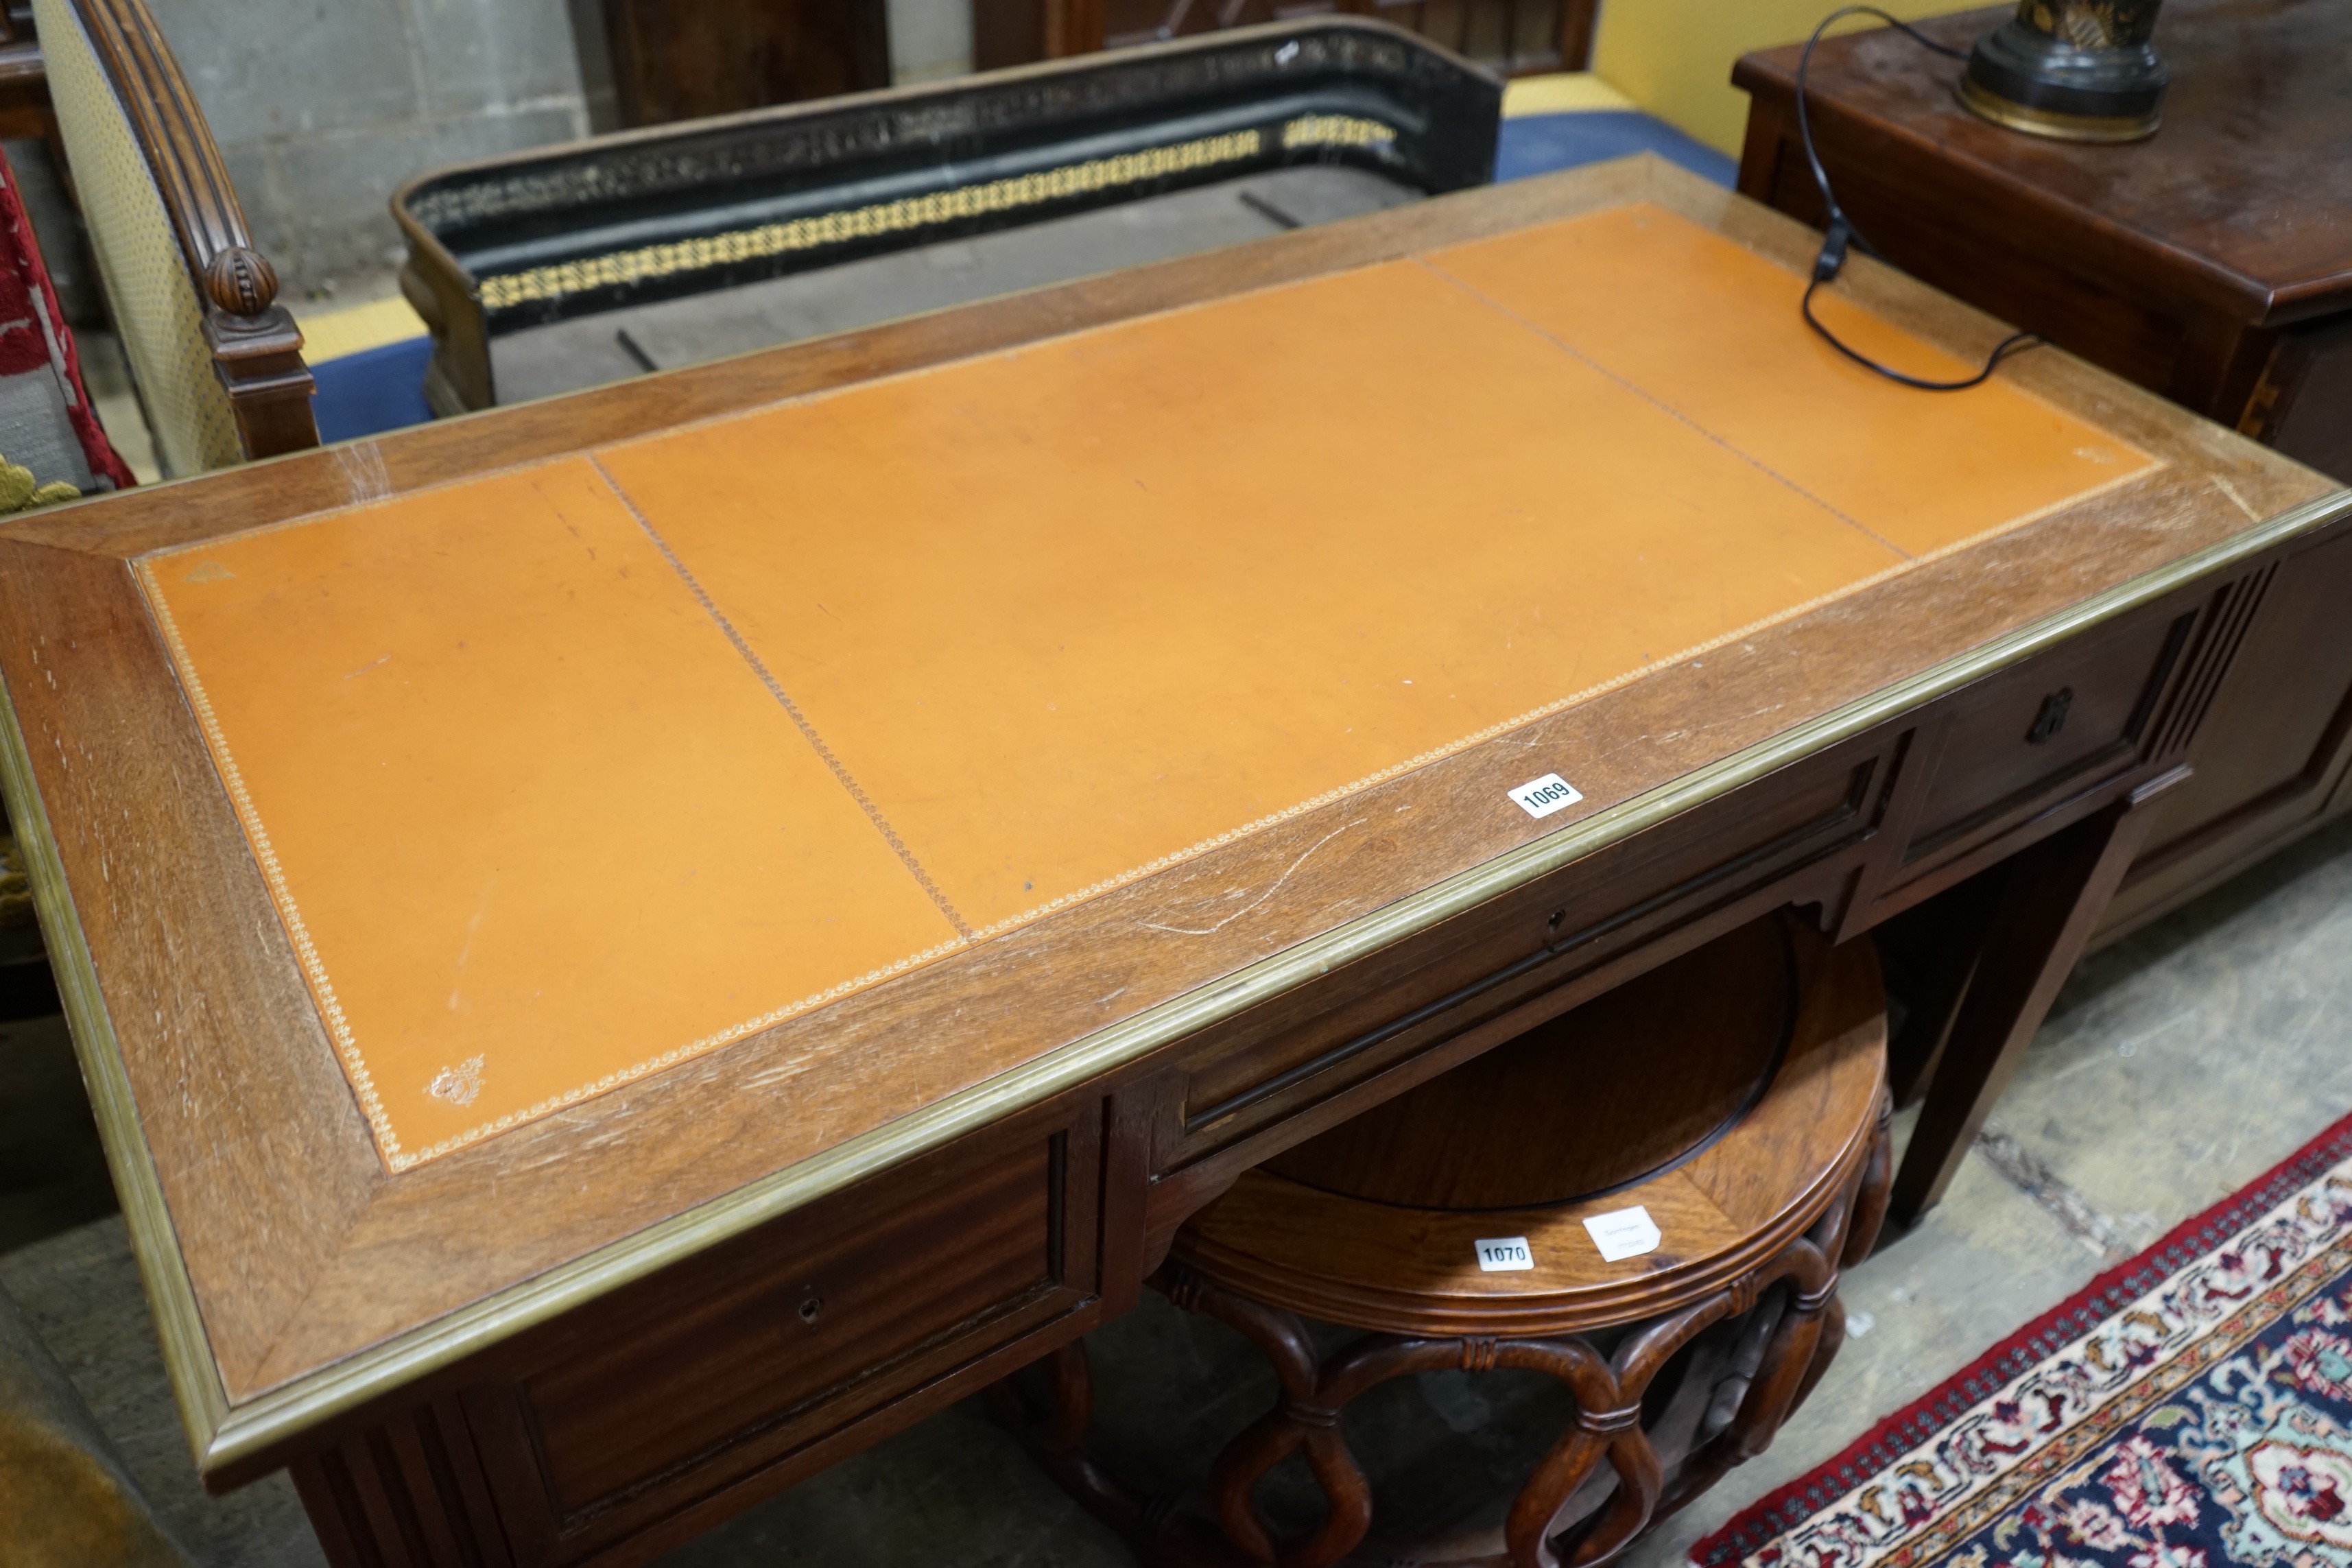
x=387, y=1333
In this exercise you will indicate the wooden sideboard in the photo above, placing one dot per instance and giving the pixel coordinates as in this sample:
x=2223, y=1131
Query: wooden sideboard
x=2211, y=263
x=686, y=60
x=592, y=1326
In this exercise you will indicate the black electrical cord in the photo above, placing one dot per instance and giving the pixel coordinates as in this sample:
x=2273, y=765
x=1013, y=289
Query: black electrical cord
x=1841, y=233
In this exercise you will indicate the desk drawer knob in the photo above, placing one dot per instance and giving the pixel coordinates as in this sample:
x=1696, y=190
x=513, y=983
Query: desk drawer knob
x=2052, y=716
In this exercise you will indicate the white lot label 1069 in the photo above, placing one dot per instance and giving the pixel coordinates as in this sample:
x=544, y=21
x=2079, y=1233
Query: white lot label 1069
x=1503, y=1253
x=1625, y=1233
x=1541, y=797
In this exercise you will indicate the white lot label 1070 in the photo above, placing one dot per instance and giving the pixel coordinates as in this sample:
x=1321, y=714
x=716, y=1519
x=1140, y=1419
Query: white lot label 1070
x=1504, y=1253
x=1541, y=797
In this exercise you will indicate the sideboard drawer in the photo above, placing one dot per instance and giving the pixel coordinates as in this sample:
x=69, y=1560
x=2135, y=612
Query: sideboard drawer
x=2042, y=730
x=737, y=1361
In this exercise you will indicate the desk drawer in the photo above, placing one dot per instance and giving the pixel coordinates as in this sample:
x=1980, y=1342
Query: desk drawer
x=740, y=1358
x=2028, y=737
x=1278, y=1059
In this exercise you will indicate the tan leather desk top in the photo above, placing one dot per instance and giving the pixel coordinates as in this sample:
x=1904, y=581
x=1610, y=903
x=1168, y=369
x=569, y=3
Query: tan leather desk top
x=564, y=774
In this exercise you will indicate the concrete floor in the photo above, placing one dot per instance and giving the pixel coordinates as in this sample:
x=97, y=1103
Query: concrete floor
x=2179, y=1065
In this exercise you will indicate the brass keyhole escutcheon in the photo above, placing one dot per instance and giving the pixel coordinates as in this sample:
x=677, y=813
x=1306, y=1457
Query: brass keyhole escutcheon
x=2052, y=716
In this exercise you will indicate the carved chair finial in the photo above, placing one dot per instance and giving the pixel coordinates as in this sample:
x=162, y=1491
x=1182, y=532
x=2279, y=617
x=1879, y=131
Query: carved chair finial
x=241, y=281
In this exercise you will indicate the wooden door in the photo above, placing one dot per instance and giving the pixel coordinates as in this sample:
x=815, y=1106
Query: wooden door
x=682, y=59
x=1515, y=36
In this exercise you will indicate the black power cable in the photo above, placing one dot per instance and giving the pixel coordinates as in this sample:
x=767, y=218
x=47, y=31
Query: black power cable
x=1841, y=234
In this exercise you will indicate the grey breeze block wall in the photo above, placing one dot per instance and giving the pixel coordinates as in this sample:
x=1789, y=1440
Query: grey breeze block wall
x=322, y=108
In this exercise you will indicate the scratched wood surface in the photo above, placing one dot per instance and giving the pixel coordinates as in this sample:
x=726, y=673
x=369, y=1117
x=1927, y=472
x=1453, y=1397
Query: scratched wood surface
x=302, y=1249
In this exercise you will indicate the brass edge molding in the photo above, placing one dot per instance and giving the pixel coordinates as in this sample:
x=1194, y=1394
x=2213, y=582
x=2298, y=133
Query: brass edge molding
x=187, y=1348
x=248, y=1430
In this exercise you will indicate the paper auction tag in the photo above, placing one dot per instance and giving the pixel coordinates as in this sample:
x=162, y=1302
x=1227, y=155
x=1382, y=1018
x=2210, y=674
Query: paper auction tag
x=1541, y=797
x=1504, y=1253
x=1625, y=1233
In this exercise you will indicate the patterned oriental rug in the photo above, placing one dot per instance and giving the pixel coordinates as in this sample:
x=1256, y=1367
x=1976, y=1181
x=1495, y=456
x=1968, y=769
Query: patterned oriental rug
x=2191, y=1408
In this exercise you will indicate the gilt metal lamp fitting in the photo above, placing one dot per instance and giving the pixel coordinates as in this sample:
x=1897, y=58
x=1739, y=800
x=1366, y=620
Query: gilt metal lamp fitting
x=2080, y=70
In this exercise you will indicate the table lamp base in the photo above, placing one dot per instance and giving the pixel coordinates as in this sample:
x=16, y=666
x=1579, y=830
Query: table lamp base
x=2078, y=70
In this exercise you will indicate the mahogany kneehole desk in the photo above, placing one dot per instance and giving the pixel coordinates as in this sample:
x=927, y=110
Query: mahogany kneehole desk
x=628, y=947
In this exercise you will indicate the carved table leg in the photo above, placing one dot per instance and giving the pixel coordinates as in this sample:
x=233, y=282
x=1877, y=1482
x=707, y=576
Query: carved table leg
x=1608, y=1427
x=1048, y=1405
x=1809, y=1333
x=1608, y=1424
x=1877, y=1187
x=2050, y=899
x=1307, y=1416
x=1808, y=1336
x=1801, y=1343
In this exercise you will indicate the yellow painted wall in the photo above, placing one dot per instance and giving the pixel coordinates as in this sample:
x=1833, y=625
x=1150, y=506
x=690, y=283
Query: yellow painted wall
x=1673, y=56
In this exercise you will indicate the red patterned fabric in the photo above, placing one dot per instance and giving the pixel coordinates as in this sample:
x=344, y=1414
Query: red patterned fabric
x=2191, y=1408
x=36, y=342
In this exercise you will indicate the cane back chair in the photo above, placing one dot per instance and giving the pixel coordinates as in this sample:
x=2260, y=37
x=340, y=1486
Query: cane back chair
x=217, y=361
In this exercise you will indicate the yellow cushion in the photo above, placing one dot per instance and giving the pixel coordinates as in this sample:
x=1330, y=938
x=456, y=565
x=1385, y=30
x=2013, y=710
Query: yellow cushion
x=355, y=328
x=1562, y=92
